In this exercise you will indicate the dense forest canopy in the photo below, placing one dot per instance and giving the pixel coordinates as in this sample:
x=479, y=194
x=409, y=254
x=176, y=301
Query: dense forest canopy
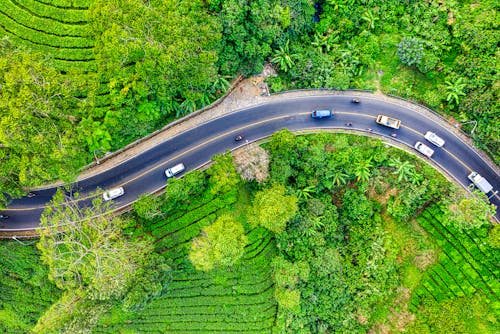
x=77, y=74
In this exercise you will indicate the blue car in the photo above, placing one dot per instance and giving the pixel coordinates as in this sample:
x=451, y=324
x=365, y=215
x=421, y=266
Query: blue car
x=322, y=113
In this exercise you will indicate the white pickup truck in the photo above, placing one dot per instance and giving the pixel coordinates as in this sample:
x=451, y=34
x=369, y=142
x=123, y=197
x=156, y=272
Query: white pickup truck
x=480, y=182
x=388, y=121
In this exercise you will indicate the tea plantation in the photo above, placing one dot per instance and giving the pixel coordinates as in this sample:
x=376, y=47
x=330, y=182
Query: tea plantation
x=58, y=29
x=239, y=299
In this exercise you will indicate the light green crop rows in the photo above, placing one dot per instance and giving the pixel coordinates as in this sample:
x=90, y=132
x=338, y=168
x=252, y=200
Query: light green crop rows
x=235, y=300
x=465, y=265
x=60, y=32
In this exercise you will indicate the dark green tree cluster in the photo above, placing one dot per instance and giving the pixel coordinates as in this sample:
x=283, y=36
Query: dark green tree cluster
x=337, y=236
x=251, y=29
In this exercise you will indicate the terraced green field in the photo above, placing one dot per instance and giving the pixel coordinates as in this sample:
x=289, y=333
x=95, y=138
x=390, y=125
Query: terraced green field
x=55, y=28
x=239, y=299
x=60, y=30
x=466, y=264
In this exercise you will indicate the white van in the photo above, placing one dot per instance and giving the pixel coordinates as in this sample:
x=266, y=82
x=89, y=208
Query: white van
x=169, y=172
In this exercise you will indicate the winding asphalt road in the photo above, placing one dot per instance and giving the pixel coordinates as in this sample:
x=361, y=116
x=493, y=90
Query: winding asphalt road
x=145, y=173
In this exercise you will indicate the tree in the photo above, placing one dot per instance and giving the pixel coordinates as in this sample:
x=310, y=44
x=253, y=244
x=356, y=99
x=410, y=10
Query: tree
x=336, y=177
x=179, y=191
x=362, y=169
x=470, y=212
x=411, y=51
x=283, y=58
x=147, y=206
x=493, y=238
x=158, y=58
x=455, y=90
x=37, y=141
x=94, y=263
x=221, y=244
x=370, y=19
x=404, y=170
x=272, y=208
x=223, y=174
x=305, y=192
x=86, y=251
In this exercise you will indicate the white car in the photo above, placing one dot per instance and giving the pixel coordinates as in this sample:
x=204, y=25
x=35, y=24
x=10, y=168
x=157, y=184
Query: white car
x=424, y=149
x=113, y=193
x=169, y=172
x=433, y=138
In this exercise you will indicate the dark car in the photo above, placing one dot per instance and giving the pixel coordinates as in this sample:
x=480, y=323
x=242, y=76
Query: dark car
x=239, y=137
x=322, y=113
x=355, y=100
x=2, y=216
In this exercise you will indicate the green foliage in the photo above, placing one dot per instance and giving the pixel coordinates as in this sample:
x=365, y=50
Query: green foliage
x=147, y=206
x=466, y=265
x=239, y=298
x=25, y=292
x=180, y=191
x=252, y=28
x=411, y=51
x=149, y=66
x=91, y=258
x=464, y=315
x=37, y=145
x=455, y=89
x=470, y=212
x=220, y=245
x=222, y=174
x=287, y=299
x=283, y=58
x=71, y=314
x=494, y=236
x=272, y=209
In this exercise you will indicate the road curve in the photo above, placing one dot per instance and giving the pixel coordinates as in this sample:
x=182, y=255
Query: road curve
x=145, y=172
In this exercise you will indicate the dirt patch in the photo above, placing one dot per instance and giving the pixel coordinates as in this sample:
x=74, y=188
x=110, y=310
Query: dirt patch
x=380, y=328
x=425, y=259
x=401, y=319
x=387, y=193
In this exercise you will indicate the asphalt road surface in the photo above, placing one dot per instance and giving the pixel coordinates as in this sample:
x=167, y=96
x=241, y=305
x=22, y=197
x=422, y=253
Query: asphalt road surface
x=194, y=148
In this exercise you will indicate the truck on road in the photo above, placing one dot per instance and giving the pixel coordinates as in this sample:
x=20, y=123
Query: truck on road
x=388, y=121
x=480, y=182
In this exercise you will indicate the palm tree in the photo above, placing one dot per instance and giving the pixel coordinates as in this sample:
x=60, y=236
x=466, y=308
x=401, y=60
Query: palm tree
x=362, y=170
x=336, y=177
x=416, y=178
x=220, y=85
x=283, y=58
x=455, y=90
x=324, y=43
x=370, y=18
x=186, y=107
x=305, y=192
x=404, y=170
